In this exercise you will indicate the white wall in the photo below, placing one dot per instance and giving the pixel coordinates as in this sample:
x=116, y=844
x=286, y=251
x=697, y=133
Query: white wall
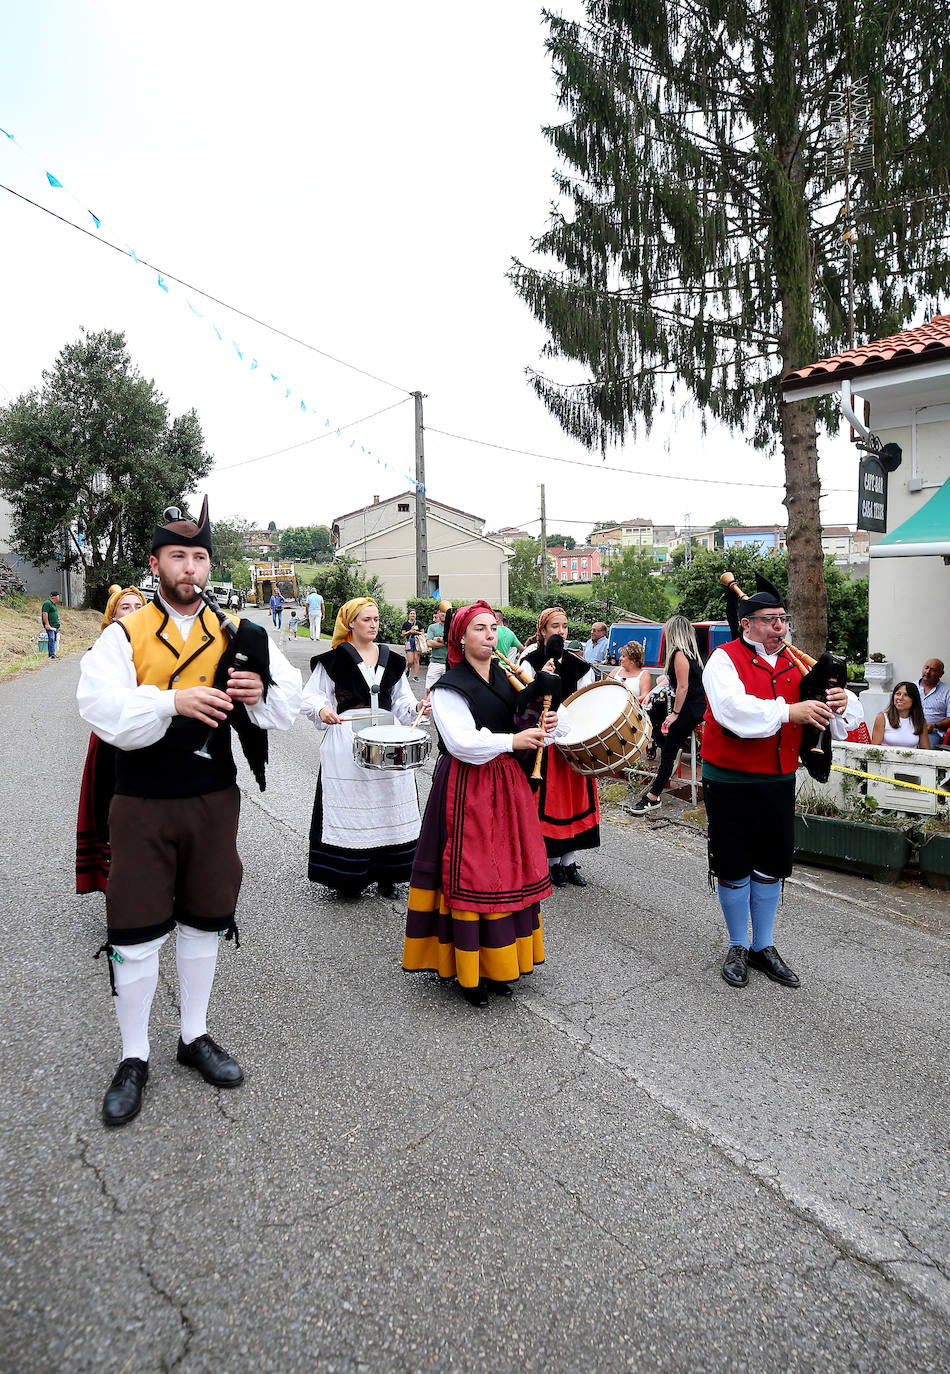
x=468, y=567
x=909, y=610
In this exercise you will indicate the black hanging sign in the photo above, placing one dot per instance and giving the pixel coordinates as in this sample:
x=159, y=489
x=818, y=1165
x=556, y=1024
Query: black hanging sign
x=872, y=495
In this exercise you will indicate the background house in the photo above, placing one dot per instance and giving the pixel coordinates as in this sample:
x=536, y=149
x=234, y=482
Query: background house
x=463, y=562
x=580, y=564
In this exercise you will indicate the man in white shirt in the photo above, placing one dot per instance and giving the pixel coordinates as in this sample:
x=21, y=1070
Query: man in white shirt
x=314, y=613
x=595, y=650
x=147, y=686
x=751, y=740
x=935, y=699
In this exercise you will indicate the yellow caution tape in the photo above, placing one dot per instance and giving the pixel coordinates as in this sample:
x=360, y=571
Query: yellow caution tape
x=895, y=782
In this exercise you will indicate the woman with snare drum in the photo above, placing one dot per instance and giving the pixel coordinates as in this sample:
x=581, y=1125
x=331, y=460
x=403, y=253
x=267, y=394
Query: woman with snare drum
x=480, y=871
x=365, y=822
x=568, y=806
x=684, y=668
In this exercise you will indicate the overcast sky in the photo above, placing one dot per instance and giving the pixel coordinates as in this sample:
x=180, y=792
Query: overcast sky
x=358, y=176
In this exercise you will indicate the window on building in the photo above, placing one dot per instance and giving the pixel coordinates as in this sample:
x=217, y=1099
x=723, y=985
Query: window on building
x=403, y=506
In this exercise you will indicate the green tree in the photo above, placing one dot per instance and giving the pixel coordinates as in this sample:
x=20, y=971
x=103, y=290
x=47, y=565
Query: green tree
x=709, y=220
x=272, y=526
x=561, y=541
x=228, y=542
x=632, y=584
x=524, y=572
x=89, y=461
x=307, y=544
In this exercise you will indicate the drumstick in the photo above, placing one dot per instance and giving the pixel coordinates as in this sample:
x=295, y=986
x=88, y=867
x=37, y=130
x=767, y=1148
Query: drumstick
x=545, y=707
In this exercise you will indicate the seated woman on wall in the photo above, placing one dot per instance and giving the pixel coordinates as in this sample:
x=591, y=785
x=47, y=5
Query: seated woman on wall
x=480, y=871
x=903, y=723
x=631, y=672
x=93, y=855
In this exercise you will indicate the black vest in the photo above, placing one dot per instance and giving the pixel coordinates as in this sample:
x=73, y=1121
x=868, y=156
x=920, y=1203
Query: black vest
x=491, y=703
x=341, y=666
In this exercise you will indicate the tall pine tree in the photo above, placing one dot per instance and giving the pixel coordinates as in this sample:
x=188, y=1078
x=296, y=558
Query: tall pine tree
x=699, y=236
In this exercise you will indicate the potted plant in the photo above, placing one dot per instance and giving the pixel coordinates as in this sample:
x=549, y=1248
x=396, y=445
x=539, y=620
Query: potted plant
x=863, y=840
x=878, y=670
x=934, y=855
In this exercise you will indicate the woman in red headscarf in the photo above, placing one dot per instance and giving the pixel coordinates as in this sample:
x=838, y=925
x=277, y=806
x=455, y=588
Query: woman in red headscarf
x=480, y=870
x=567, y=802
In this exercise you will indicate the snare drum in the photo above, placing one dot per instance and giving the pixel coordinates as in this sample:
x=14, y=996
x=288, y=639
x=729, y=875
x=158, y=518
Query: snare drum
x=609, y=729
x=391, y=748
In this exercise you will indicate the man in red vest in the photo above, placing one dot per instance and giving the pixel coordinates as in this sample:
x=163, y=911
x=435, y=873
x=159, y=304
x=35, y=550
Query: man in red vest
x=751, y=739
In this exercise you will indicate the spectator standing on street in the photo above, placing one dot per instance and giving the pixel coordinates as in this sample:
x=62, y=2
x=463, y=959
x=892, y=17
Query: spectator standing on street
x=595, y=650
x=935, y=699
x=276, y=607
x=292, y=624
x=684, y=668
x=314, y=613
x=508, y=641
x=50, y=618
x=415, y=642
x=438, y=651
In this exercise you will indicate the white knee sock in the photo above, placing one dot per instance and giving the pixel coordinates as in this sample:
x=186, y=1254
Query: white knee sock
x=196, y=953
x=568, y=858
x=136, y=978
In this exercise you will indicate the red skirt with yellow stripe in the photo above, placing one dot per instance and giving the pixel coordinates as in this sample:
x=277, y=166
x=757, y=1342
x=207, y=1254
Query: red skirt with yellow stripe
x=479, y=875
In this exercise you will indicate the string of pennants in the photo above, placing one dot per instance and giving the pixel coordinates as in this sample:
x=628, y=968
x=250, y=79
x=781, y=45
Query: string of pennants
x=241, y=354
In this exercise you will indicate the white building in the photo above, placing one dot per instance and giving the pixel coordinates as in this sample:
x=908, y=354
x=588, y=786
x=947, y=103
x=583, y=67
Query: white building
x=898, y=389
x=464, y=564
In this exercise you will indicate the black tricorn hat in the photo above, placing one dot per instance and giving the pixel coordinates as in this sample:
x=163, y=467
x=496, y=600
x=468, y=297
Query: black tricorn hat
x=182, y=532
x=766, y=597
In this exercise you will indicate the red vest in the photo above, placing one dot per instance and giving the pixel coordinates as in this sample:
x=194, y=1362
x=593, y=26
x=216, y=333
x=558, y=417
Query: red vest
x=777, y=753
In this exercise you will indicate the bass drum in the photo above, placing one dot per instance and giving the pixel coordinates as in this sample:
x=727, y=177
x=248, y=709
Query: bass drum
x=609, y=730
x=391, y=748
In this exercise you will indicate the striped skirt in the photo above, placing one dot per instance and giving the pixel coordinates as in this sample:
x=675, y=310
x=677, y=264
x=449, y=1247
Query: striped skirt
x=479, y=876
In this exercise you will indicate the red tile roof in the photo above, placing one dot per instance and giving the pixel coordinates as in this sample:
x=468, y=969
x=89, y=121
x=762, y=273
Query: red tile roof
x=900, y=350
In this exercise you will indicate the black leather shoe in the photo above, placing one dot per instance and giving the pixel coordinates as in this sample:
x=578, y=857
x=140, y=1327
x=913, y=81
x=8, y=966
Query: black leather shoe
x=388, y=890
x=123, y=1100
x=573, y=875
x=476, y=997
x=498, y=989
x=558, y=875
x=770, y=962
x=735, y=967
x=213, y=1063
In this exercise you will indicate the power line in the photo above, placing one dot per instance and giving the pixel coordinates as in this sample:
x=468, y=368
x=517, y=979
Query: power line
x=608, y=467
x=206, y=295
x=328, y=434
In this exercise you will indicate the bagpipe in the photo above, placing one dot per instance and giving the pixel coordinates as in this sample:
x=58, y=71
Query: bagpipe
x=543, y=685
x=247, y=650
x=818, y=674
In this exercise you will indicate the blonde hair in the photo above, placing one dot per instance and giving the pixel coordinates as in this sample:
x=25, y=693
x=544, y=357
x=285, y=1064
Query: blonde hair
x=680, y=634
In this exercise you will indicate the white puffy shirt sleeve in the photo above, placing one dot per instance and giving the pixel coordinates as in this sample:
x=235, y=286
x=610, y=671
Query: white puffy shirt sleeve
x=110, y=700
x=731, y=705
x=404, y=703
x=280, y=709
x=319, y=692
x=851, y=717
x=461, y=736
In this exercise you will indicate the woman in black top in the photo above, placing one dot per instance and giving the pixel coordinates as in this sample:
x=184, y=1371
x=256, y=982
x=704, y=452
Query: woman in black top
x=412, y=635
x=684, y=669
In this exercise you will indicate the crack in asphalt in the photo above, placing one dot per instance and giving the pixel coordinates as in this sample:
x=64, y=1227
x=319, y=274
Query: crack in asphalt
x=832, y=1225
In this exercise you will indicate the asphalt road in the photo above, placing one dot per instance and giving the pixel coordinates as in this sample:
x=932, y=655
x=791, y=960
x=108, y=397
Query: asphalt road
x=627, y=1166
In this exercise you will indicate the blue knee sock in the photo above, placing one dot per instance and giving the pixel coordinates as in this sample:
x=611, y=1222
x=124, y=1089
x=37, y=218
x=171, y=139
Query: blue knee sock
x=734, y=900
x=764, y=903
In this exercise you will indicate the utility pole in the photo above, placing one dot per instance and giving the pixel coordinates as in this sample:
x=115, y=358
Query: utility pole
x=688, y=543
x=544, y=544
x=422, y=542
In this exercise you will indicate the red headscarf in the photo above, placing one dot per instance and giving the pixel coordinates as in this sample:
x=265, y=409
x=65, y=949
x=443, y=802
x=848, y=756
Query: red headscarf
x=462, y=617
